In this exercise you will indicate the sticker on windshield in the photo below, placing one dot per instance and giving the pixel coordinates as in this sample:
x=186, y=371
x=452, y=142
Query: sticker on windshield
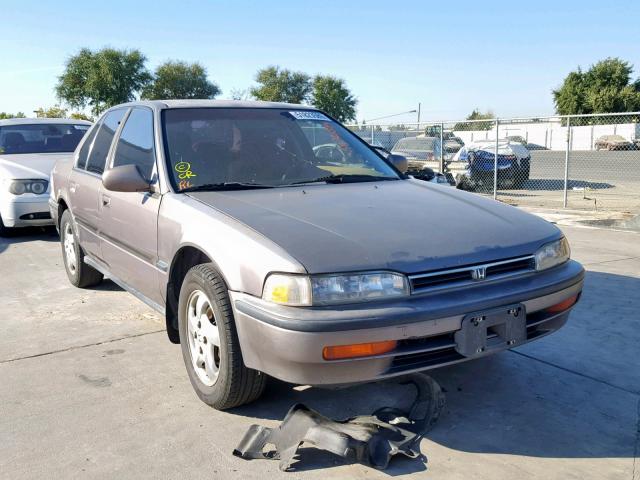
x=309, y=115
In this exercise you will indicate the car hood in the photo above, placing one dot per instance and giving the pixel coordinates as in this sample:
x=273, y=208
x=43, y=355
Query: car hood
x=407, y=226
x=30, y=165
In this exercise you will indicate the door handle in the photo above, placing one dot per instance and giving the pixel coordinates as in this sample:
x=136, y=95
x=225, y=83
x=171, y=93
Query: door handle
x=106, y=201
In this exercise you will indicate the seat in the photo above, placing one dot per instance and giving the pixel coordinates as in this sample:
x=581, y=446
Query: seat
x=52, y=143
x=14, y=142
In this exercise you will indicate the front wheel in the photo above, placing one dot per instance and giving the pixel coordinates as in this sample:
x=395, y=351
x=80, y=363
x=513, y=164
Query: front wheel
x=209, y=342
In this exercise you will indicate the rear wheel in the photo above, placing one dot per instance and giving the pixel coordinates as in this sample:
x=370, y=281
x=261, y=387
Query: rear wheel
x=209, y=342
x=79, y=273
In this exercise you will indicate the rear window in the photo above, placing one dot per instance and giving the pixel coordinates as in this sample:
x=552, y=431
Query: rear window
x=40, y=138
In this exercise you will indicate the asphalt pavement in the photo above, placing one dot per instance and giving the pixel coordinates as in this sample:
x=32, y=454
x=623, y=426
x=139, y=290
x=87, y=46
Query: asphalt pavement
x=91, y=388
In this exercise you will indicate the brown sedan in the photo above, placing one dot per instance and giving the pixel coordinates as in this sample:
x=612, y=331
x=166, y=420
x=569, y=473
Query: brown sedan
x=614, y=142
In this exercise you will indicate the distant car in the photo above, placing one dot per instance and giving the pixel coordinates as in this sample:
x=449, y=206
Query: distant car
x=29, y=148
x=422, y=152
x=478, y=159
x=614, y=142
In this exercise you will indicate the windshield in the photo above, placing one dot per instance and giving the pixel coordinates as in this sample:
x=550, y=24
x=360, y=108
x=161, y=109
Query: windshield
x=214, y=148
x=40, y=138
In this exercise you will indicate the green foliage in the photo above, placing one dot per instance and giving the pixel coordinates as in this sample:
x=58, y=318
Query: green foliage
x=175, y=79
x=52, y=112
x=606, y=87
x=5, y=115
x=103, y=78
x=331, y=95
x=476, y=114
x=81, y=116
x=282, y=85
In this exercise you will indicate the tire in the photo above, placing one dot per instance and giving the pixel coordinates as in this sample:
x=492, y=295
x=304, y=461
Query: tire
x=79, y=273
x=4, y=231
x=217, y=372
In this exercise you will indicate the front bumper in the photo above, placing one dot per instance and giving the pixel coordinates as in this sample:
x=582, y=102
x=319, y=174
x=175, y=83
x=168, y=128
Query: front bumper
x=26, y=211
x=287, y=342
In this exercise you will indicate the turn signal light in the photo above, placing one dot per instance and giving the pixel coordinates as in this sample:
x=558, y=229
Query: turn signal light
x=563, y=305
x=339, y=352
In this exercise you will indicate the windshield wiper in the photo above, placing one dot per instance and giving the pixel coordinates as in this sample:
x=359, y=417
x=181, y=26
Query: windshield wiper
x=346, y=178
x=224, y=186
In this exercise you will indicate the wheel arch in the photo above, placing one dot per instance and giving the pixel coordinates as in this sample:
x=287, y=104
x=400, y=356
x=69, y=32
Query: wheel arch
x=186, y=257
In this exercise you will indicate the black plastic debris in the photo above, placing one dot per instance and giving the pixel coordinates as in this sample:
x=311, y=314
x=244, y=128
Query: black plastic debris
x=369, y=439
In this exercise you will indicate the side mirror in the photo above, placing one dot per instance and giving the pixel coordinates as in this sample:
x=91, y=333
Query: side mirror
x=125, y=178
x=399, y=161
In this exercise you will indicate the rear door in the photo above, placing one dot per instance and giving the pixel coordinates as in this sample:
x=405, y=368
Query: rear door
x=130, y=219
x=85, y=181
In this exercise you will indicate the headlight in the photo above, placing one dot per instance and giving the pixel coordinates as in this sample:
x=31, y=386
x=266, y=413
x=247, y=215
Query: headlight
x=18, y=187
x=334, y=289
x=553, y=254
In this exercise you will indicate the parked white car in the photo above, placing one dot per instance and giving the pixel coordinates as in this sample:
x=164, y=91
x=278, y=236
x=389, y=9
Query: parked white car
x=29, y=148
x=474, y=164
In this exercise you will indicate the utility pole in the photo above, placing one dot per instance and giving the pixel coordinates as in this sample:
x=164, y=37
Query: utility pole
x=419, y=107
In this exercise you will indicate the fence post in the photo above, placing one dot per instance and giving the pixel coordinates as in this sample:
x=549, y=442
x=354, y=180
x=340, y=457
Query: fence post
x=441, y=149
x=566, y=163
x=372, y=129
x=495, y=165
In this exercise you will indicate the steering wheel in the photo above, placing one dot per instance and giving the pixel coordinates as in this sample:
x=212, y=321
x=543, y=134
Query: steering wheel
x=330, y=153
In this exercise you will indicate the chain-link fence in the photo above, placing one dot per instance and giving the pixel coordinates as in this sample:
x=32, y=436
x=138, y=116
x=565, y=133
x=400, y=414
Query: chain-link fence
x=578, y=161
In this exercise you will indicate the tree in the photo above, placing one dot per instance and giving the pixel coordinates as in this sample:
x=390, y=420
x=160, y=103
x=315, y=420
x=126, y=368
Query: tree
x=476, y=114
x=103, y=78
x=606, y=87
x=332, y=95
x=281, y=85
x=5, y=115
x=52, y=112
x=81, y=116
x=175, y=79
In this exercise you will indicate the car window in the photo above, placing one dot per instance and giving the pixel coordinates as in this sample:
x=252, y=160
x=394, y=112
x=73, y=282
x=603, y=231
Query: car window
x=135, y=145
x=102, y=143
x=415, y=143
x=40, y=138
x=269, y=147
x=84, y=150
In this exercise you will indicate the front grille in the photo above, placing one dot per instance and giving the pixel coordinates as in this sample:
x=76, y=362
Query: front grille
x=473, y=274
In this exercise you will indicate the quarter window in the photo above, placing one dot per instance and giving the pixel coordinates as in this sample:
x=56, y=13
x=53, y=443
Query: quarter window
x=84, y=150
x=135, y=146
x=102, y=143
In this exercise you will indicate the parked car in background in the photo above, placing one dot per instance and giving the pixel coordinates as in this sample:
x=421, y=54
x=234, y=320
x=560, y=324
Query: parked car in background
x=28, y=150
x=422, y=153
x=267, y=259
x=474, y=164
x=614, y=142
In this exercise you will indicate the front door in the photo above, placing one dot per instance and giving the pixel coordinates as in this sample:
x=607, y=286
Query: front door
x=129, y=224
x=85, y=182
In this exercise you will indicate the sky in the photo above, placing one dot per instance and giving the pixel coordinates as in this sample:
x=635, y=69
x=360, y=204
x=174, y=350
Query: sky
x=451, y=57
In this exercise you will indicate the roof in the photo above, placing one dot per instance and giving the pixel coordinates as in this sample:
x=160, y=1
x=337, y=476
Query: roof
x=161, y=104
x=32, y=121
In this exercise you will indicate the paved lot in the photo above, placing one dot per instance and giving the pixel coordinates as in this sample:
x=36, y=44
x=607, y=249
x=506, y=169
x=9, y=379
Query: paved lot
x=597, y=181
x=91, y=388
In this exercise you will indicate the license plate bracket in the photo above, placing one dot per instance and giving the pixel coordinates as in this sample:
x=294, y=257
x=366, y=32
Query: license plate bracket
x=493, y=330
